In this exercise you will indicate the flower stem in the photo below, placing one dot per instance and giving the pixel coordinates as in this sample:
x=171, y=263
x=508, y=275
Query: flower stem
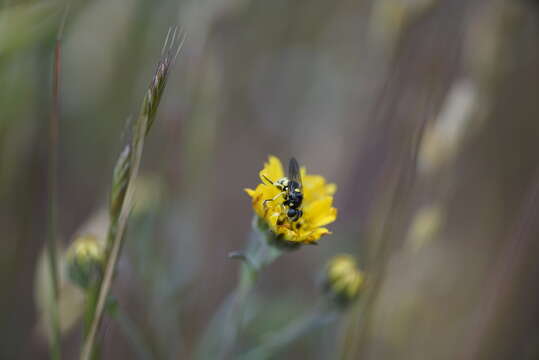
x=228, y=322
x=259, y=254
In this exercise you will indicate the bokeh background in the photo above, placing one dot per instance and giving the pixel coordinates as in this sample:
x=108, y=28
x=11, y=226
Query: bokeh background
x=423, y=112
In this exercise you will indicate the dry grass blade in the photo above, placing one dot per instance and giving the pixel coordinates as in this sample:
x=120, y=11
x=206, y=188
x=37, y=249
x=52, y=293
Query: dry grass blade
x=142, y=126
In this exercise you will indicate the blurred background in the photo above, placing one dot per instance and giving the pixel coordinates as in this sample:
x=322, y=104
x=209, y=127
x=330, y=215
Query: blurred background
x=423, y=112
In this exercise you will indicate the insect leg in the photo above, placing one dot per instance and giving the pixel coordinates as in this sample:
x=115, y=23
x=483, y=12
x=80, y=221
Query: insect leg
x=274, y=198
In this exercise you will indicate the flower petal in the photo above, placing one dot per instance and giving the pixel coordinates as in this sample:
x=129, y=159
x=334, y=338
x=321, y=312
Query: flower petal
x=315, y=234
x=273, y=170
x=320, y=212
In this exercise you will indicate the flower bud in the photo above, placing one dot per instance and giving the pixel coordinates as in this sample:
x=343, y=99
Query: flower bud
x=85, y=261
x=342, y=279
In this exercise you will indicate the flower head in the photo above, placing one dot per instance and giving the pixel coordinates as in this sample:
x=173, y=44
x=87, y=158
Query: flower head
x=342, y=279
x=317, y=205
x=85, y=258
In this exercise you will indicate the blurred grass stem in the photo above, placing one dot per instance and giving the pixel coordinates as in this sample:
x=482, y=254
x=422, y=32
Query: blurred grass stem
x=52, y=239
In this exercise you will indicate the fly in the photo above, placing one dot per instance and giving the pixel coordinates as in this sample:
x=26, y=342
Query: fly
x=291, y=189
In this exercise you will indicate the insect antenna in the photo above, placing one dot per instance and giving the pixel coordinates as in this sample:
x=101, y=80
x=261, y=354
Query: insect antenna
x=267, y=179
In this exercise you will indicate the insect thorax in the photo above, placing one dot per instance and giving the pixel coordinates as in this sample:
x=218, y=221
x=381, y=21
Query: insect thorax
x=282, y=184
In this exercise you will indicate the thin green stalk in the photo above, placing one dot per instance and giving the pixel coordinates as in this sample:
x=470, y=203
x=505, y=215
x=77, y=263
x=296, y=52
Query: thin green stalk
x=124, y=202
x=55, y=350
x=91, y=301
x=258, y=256
x=52, y=242
x=227, y=323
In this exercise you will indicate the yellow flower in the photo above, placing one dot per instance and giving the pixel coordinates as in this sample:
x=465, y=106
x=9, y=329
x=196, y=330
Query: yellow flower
x=343, y=278
x=317, y=205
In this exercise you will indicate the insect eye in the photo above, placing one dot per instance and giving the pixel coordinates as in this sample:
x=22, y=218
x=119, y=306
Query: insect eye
x=291, y=212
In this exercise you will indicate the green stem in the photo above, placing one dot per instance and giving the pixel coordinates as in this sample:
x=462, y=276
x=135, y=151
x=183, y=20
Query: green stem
x=55, y=350
x=228, y=322
x=52, y=241
x=259, y=254
x=91, y=301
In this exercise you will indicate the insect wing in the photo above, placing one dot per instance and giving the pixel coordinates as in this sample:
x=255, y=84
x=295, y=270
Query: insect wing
x=294, y=172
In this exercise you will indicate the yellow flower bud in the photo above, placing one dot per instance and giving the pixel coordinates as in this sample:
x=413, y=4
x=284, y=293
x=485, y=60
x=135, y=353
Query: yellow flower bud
x=85, y=261
x=343, y=280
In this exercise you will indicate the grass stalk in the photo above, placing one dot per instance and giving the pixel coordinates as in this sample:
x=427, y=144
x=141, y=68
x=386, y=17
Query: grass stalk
x=52, y=239
x=123, y=192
